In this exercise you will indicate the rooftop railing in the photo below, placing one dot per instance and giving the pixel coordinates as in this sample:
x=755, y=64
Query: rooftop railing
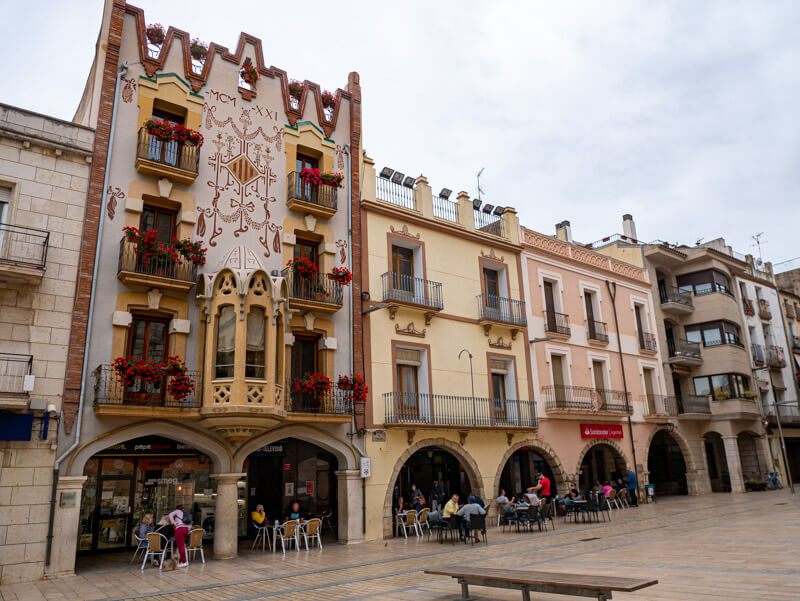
x=446, y=410
x=397, y=194
x=446, y=209
x=489, y=223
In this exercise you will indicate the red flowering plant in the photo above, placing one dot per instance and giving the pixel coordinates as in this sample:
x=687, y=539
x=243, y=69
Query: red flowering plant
x=173, y=366
x=296, y=88
x=160, y=130
x=311, y=176
x=130, y=369
x=155, y=34
x=341, y=275
x=192, y=251
x=184, y=135
x=155, y=253
x=303, y=266
x=334, y=180
x=312, y=383
x=356, y=384
x=198, y=49
x=249, y=74
x=180, y=386
x=328, y=100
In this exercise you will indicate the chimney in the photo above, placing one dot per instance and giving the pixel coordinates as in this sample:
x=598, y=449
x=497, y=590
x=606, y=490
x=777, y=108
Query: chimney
x=564, y=231
x=628, y=226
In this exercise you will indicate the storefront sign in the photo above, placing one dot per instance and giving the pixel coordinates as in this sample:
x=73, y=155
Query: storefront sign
x=287, y=467
x=309, y=487
x=601, y=431
x=149, y=445
x=271, y=450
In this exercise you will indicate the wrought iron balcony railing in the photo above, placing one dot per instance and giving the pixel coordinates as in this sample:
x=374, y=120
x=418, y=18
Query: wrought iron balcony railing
x=758, y=354
x=319, y=288
x=683, y=349
x=24, y=246
x=172, y=153
x=582, y=398
x=111, y=391
x=322, y=195
x=447, y=410
x=659, y=404
x=694, y=404
x=407, y=289
x=556, y=322
x=647, y=342
x=333, y=402
x=597, y=330
x=763, y=309
x=13, y=370
x=748, y=306
x=670, y=294
x=775, y=356
x=129, y=260
x=498, y=308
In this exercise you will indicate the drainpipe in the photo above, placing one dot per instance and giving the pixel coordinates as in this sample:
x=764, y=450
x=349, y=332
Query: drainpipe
x=612, y=292
x=123, y=69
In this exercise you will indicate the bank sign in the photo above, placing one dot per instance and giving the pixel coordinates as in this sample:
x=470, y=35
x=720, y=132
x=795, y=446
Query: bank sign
x=601, y=431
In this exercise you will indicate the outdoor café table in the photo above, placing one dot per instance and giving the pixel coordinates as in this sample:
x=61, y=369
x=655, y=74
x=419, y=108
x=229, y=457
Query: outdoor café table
x=579, y=507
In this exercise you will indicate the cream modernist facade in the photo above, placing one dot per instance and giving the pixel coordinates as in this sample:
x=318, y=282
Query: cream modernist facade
x=244, y=325
x=44, y=171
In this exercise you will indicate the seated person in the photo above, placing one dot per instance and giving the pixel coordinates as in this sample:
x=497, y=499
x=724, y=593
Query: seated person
x=479, y=501
x=400, y=506
x=470, y=509
x=417, y=498
x=146, y=526
x=607, y=488
x=295, y=513
x=598, y=487
x=504, y=504
x=573, y=495
x=450, y=507
x=259, y=517
x=165, y=527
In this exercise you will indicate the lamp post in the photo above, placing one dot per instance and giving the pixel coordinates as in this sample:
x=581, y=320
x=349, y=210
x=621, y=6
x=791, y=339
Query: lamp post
x=777, y=406
x=472, y=381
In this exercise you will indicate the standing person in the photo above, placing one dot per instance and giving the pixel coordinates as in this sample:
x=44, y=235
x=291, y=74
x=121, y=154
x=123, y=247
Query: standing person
x=181, y=522
x=417, y=498
x=633, y=487
x=437, y=495
x=542, y=488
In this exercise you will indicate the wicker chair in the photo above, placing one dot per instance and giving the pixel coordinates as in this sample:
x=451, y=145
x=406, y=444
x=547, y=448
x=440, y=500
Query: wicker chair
x=312, y=530
x=195, y=543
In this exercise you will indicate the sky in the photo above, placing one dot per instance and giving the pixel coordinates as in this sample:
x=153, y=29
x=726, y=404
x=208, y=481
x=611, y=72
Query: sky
x=684, y=114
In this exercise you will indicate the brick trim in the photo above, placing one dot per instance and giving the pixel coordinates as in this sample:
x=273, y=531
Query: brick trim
x=94, y=199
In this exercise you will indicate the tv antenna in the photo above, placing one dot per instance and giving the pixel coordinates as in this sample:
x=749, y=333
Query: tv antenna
x=757, y=243
x=480, y=190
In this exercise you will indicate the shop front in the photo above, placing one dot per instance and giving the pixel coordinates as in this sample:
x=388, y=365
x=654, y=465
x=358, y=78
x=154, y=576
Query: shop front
x=140, y=476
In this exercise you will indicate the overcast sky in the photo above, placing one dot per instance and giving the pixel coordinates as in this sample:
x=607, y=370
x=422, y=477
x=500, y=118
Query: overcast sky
x=684, y=114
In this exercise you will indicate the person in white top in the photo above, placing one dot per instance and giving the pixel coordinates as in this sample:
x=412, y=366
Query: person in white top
x=181, y=522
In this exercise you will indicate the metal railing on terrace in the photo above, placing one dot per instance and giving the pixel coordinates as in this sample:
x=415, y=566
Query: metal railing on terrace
x=446, y=209
x=489, y=223
x=13, y=369
x=498, y=308
x=172, y=153
x=659, y=404
x=25, y=246
x=322, y=195
x=678, y=347
x=129, y=260
x=596, y=330
x=407, y=289
x=694, y=404
x=582, y=398
x=557, y=323
x=397, y=194
x=110, y=390
x=445, y=410
x=333, y=402
x=670, y=294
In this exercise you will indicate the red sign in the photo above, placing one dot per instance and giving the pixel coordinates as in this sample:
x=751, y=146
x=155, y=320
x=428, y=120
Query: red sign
x=287, y=467
x=601, y=431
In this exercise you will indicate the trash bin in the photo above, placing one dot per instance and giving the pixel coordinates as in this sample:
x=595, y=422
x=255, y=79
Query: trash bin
x=650, y=492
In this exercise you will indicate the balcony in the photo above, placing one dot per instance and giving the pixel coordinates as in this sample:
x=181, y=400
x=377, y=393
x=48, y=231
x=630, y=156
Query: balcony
x=647, y=342
x=319, y=201
x=683, y=352
x=174, y=160
x=789, y=415
x=775, y=357
x=747, y=306
x=335, y=405
x=557, y=323
x=499, y=310
x=795, y=343
x=421, y=409
x=399, y=289
x=676, y=302
x=596, y=331
x=113, y=398
x=692, y=405
x=317, y=293
x=763, y=310
x=23, y=253
x=659, y=405
x=560, y=399
x=179, y=276
x=757, y=351
x=16, y=380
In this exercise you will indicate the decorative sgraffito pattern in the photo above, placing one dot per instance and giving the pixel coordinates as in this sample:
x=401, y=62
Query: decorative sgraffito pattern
x=342, y=246
x=339, y=157
x=128, y=90
x=242, y=176
x=114, y=194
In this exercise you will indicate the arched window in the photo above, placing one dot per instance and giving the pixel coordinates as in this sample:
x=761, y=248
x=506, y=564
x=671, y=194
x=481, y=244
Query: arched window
x=279, y=350
x=226, y=342
x=255, y=359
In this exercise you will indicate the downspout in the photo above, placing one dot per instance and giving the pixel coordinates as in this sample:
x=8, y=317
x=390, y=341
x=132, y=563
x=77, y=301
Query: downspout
x=123, y=69
x=612, y=292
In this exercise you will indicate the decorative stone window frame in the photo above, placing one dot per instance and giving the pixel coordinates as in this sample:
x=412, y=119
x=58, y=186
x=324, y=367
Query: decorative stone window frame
x=309, y=324
x=565, y=352
x=605, y=359
x=511, y=374
x=144, y=303
x=170, y=89
x=306, y=138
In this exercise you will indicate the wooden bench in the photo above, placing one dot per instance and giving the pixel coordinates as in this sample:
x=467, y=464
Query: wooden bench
x=578, y=585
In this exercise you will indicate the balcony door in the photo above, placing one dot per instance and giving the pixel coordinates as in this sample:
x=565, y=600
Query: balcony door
x=559, y=389
x=649, y=389
x=598, y=372
x=491, y=283
x=164, y=152
x=549, y=306
x=408, y=391
x=304, y=287
x=639, y=324
x=403, y=271
x=305, y=191
x=590, y=321
x=305, y=360
x=162, y=221
x=148, y=342
x=499, y=409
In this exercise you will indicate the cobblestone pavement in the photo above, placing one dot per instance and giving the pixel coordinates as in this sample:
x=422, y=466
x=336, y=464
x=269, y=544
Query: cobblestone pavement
x=711, y=548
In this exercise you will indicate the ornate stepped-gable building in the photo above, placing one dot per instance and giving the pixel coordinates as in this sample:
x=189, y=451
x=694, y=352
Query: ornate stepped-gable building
x=188, y=389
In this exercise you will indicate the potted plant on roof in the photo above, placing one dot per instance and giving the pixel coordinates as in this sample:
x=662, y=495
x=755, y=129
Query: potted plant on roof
x=198, y=49
x=249, y=74
x=296, y=88
x=155, y=34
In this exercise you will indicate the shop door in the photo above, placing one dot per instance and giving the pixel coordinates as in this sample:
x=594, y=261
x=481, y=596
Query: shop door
x=112, y=527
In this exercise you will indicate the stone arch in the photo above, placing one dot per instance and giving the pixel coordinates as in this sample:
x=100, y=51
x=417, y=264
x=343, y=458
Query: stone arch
x=594, y=443
x=344, y=453
x=688, y=458
x=219, y=453
x=545, y=450
x=454, y=448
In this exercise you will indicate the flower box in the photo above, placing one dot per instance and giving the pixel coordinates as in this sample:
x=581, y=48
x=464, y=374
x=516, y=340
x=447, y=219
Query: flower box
x=341, y=275
x=303, y=267
x=296, y=88
x=313, y=177
x=198, y=50
x=153, y=252
x=160, y=130
x=312, y=383
x=132, y=371
x=328, y=100
x=155, y=34
x=356, y=384
x=249, y=74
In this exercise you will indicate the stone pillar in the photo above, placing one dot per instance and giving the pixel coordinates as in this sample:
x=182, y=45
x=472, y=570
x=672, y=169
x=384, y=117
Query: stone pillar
x=731, y=445
x=65, y=526
x=765, y=460
x=700, y=482
x=350, y=504
x=423, y=197
x=226, y=515
x=466, y=216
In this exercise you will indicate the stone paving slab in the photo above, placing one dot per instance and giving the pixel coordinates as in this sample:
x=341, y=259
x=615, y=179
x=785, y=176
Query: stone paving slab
x=712, y=547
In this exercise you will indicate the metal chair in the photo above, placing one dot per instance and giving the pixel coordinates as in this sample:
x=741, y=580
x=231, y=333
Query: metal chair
x=448, y=526
x=195, y=543
x=312, y=530
x=477, y=525
x=409, y=522
x=423, y=522
x=547, y=513
x=288, y=535
x=141, y=545
x=157, y=547
x=262, y=533
x=326, y=518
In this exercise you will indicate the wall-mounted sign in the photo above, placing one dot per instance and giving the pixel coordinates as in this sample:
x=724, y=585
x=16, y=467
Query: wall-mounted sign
x=271, y=450
x=287, y=467
x=68, y=499
x=309, y=487
x=366, y=467
x=379, y=436
x=601, y=431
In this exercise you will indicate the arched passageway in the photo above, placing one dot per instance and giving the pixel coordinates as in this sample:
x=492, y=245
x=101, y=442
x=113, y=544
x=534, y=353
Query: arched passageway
x=718, y=473
x=667, y=465
x=752, y=465
x=427, y=466
x=520, y=472
x=602, y=462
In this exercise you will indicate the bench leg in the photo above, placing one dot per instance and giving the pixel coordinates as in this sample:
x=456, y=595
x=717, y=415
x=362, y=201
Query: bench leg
x=464, y=591
x=604, y=596
x=526, y=594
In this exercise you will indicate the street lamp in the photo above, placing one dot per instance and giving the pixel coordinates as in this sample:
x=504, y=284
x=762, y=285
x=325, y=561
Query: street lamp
x=780, y=428
x=471, y=379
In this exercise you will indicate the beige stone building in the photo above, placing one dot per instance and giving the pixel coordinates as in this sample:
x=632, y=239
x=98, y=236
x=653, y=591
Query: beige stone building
x=44, y=170
x=788, y=283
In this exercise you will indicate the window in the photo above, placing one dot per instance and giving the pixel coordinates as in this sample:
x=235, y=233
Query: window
x=722, y=386
x=160, y=220
x=559, y=388
x=226, y=342
x=641, y=319
x=148, y=342
x=649, y=383
x=408, y=362
x=403, y=268
x=255, y=358
x=599, y=377
x=305, y=191
x=5, y=202
x=714, y=333
x=704, y=282
x=305, y=357
x=491, y=278
x=307, y=249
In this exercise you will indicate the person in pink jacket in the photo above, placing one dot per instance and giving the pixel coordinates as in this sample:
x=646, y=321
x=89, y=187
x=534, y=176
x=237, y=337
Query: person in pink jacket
x=181, y=522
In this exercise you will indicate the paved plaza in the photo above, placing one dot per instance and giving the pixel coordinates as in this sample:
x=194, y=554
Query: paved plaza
x=709, y=548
